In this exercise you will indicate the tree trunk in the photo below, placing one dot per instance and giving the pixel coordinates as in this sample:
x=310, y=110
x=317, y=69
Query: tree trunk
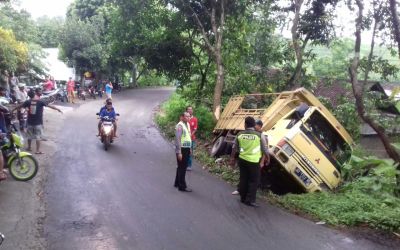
x=396, y=23
x=219, y=85
x=296, y=76
x=358, y=88
x=133, y=84
x=215, y=50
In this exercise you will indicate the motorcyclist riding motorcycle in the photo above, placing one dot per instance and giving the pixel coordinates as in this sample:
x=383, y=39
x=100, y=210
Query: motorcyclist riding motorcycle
x=108, y=112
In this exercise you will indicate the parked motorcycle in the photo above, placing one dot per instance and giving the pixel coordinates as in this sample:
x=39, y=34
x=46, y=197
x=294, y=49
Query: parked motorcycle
x=62, y=95
x=92, y=92
x=49, y=96
x=81, y=93
x=22, y=165
x=107, y=131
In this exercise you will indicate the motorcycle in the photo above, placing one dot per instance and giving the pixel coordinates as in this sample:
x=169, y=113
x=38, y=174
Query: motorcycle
x=106, y=131
x=49, y=96
x=81, y=94
x=92, y=92
x=62, y=95
x=22, y=165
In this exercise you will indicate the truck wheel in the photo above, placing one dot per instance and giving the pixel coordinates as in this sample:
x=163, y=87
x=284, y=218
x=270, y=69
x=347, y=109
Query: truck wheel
x=218, y=147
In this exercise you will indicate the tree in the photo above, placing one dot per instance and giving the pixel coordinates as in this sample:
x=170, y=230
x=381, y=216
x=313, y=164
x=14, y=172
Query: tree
x=83, y=39
x=84, y=9
x=13, y=53
x=396, y=23
x=209, y=18
x=81, y=44
x=49, y=31
x=314, y=25
x=20, y=22
x=358, y=91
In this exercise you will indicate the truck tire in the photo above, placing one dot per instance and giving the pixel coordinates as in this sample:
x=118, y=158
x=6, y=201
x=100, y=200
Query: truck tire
x=218, y=147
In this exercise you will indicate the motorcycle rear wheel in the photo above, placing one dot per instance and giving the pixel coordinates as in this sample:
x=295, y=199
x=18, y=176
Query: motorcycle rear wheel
x=27, y=171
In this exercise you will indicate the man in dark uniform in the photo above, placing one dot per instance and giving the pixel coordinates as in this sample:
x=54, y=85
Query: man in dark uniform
x=183, y=144
x=250, y=146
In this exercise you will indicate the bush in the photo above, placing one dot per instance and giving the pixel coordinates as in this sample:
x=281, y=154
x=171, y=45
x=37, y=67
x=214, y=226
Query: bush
x=152, y=79
x=171, y=110
x=206, y=122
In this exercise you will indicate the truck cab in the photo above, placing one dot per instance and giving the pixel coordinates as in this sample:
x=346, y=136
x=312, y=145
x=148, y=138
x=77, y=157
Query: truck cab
x=309, y=149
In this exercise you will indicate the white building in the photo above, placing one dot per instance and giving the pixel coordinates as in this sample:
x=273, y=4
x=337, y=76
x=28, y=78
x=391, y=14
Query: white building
x=57, y=68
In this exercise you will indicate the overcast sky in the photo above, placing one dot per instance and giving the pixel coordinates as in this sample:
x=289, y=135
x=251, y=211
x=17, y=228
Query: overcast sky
x=51, y=8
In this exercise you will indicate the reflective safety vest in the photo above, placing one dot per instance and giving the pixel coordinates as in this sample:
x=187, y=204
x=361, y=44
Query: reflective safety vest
x=186, y=139
x=249, y=146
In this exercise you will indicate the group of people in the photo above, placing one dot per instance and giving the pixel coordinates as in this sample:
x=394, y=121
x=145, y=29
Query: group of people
x=250, y=151
x=72, y=86
x=34, y=131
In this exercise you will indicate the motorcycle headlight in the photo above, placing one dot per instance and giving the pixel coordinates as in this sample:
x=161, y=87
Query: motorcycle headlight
x=107, y=129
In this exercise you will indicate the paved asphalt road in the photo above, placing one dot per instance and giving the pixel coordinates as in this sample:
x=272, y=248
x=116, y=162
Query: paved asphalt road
x=124, y=198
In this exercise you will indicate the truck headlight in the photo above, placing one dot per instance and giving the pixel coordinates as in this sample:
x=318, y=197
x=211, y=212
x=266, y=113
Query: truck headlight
x=287, y=149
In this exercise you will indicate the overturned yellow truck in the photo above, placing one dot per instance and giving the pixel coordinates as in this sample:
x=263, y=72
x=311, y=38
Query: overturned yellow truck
x=307, y=145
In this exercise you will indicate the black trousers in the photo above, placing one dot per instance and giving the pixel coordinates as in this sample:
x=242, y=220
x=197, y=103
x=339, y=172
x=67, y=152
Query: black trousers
x=180, y=181
x=249, y=180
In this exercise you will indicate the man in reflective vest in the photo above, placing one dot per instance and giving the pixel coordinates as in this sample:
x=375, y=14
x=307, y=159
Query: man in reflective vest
x=183, y=144
x=250, y=145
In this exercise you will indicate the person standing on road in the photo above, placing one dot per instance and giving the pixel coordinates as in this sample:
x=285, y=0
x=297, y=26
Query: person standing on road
x=70, y=90
x=193, y=129
x=183, y=144
x=109, y=89
x=258, y=128
x=250, y=146
x=35, y=119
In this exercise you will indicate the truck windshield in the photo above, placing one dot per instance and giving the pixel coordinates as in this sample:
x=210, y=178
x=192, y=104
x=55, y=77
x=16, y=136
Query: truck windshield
x=329, y=140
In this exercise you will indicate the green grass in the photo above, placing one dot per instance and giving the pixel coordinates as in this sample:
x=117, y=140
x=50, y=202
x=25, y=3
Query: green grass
x=351, y=207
